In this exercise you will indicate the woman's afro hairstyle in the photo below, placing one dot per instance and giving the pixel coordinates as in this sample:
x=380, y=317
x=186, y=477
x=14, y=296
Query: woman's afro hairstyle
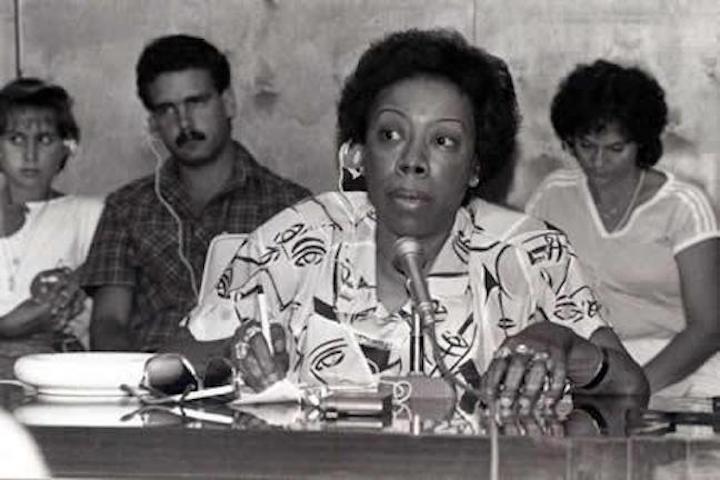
x=482, y=77
x=598, y=94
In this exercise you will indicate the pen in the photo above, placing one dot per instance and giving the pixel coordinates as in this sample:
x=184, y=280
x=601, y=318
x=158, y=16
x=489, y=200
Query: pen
x=264, y=320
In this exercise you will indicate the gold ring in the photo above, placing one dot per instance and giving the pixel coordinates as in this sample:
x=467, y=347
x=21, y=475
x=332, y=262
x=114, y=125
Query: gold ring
x=541, y=357
x=502, y=352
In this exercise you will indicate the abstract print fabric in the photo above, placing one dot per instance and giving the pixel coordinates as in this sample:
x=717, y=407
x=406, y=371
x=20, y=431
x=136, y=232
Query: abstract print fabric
x=316, y=261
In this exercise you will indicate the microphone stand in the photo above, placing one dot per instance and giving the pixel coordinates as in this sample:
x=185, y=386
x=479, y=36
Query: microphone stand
x=409, y=259
x=417, y=347
x=422, y=316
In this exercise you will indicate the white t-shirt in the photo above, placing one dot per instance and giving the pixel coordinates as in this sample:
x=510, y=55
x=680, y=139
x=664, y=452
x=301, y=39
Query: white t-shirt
x=632, y=270
x=56, y=233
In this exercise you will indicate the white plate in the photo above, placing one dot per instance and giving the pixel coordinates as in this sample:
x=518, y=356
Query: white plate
x=85, y=374
x=54, y=413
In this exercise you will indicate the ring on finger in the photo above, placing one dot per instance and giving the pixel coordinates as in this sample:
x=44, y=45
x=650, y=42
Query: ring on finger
x=251, y=331
x=503, y=352
x=241, y=350
x=542, y=357
x=506, y=401
x=523, y=349
x=524, y=405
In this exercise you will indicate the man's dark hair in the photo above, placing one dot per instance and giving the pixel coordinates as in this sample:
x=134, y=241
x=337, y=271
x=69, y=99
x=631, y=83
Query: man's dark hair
x=174, y=53
x=445, y=54
x=593, y=96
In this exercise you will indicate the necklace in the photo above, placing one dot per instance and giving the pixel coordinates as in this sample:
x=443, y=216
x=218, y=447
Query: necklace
x=609, y=214
x=18, y=256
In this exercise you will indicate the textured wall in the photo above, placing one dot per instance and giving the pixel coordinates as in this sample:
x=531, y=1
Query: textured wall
x=289, y=58
x=676, y=40
x=7, y=40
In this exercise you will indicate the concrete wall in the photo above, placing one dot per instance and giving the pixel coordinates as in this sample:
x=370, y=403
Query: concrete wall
x=7, y=40
x=289, y=58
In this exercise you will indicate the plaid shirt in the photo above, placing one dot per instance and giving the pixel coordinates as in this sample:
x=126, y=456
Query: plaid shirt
x=136, y=242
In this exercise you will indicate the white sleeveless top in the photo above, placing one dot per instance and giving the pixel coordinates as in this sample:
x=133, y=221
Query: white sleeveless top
x=56, y=233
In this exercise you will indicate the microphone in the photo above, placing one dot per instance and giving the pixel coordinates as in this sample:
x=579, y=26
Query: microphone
x=409, y=260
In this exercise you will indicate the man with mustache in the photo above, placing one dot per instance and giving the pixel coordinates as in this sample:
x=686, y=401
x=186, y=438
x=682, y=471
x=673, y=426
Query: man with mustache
x=147, y=257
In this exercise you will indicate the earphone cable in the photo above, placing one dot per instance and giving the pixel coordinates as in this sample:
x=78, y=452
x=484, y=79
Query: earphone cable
x=180, y=233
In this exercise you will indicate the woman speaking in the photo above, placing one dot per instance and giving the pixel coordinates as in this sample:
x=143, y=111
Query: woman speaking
x=425, y=119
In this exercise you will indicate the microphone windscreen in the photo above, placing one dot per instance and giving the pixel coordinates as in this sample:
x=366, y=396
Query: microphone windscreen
x=410, y=259
x=407, y=249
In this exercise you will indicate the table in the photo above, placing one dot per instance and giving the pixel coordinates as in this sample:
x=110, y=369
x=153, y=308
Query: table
x=418, y=442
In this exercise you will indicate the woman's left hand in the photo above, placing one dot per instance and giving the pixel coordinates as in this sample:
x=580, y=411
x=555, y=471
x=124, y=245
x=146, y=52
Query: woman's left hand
x=529, y=370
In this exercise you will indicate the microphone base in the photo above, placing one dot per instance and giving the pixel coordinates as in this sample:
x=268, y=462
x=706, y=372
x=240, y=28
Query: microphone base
x=425, y=388
x=431, y=398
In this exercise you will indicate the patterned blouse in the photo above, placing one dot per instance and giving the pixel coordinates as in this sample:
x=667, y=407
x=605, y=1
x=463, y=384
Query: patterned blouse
x=315, y=262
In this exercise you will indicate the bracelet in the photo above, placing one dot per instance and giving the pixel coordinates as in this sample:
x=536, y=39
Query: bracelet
x=600, y=373
x=596, y=416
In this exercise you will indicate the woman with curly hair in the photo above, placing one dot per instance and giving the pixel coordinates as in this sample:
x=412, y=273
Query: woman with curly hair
x=647, y=240
x=426, y=117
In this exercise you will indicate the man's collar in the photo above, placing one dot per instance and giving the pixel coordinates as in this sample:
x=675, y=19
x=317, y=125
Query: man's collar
x=242, y=165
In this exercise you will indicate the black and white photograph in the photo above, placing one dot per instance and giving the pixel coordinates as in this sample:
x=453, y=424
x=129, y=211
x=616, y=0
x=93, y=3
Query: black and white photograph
x=360, y=239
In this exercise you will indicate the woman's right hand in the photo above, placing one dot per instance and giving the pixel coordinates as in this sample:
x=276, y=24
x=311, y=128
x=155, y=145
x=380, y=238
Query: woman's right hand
x=529, y=370
x=58, y=288
x=258, y=364
x=55, y=299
